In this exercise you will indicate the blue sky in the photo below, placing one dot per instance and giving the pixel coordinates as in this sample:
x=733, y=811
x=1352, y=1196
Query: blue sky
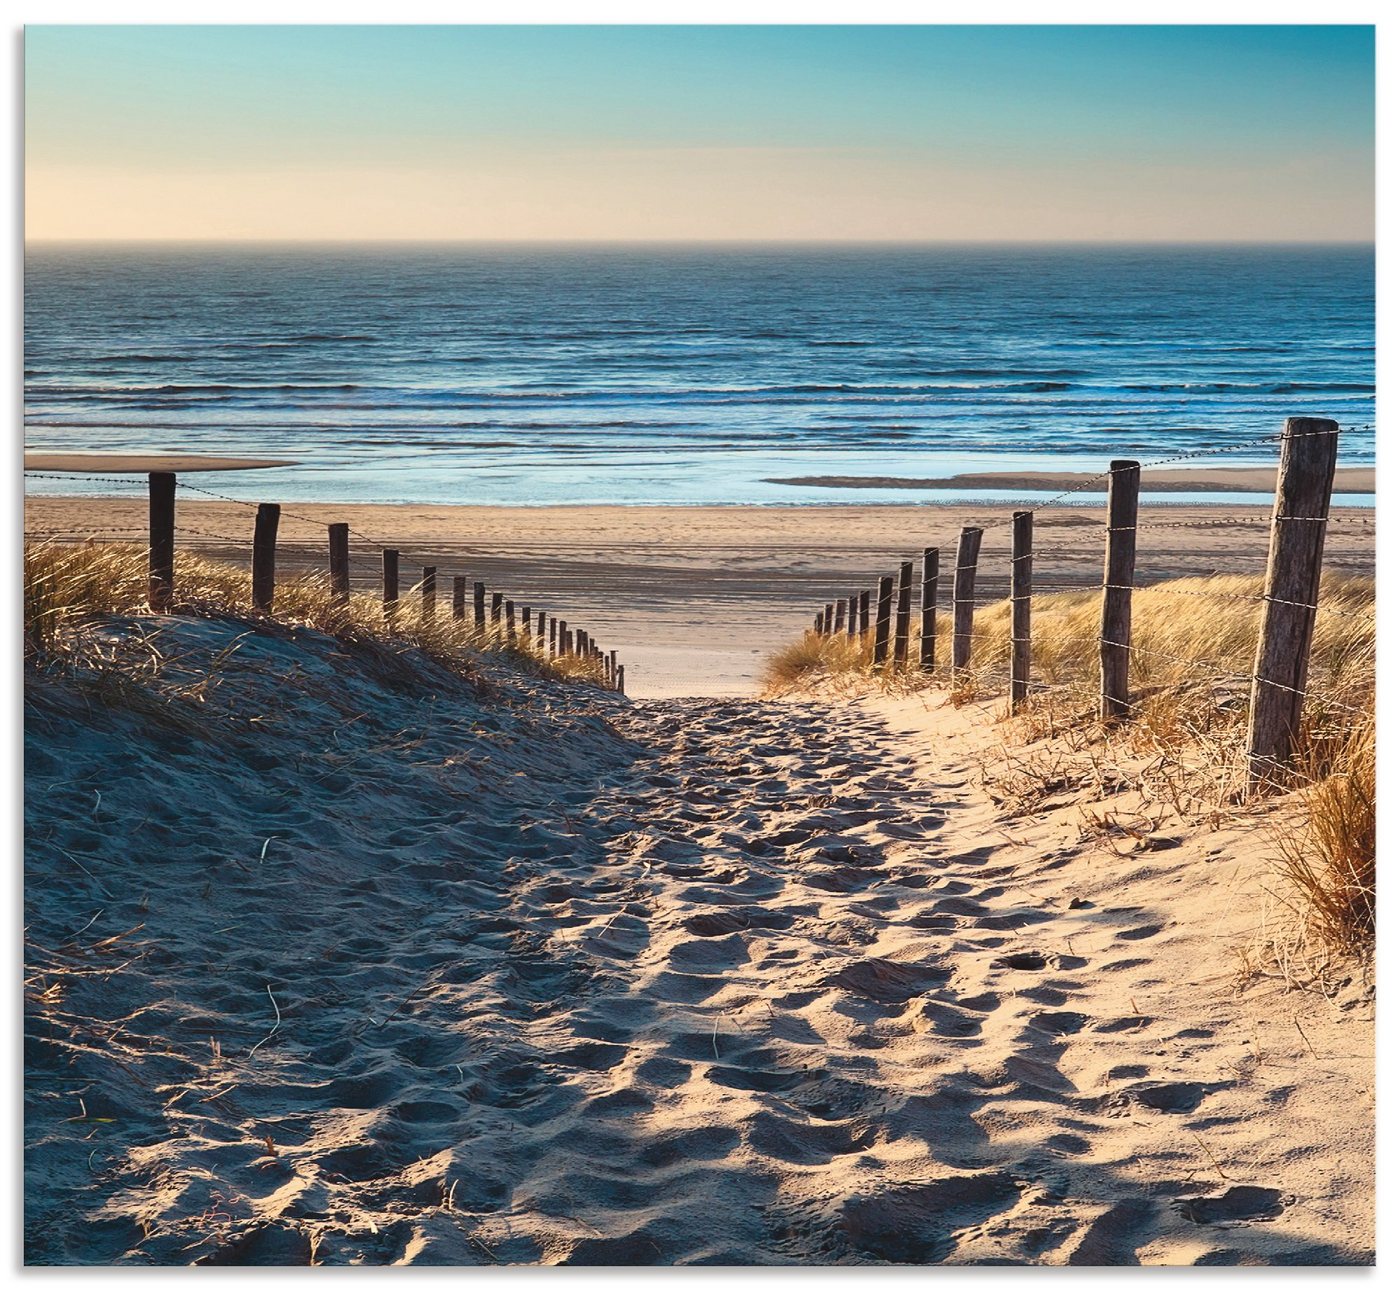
x=1253, y=133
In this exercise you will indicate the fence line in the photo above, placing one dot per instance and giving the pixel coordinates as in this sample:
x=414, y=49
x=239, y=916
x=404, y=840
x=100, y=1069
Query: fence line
x=1288, y=601
x=163, y=527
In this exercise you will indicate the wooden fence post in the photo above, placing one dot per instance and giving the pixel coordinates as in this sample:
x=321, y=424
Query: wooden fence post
x=817, y=624
x=851, y=618
x=1119, y=568
x=539, y=631
x=564, y=637
x=864, y=613
x=828, y=614
x=964, y=589
x=459, y=596
x=339, y=553
x=391, y=583
x=479, y=607
x=882, y=621
x=901, y=613
x=612, y=666
x=839, y=623
x=621, y=679
x=525, y=623
x=429, y=590
x=265, y=555
x=553, y=630
x=510, y=620
x=928, y=604
x=1306, y=467
x=160, y=586
x=498, y=600
x=1021, y=522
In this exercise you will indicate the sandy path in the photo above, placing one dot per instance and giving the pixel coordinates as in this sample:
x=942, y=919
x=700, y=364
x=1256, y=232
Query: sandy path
x=694, y=598
x=578, y=980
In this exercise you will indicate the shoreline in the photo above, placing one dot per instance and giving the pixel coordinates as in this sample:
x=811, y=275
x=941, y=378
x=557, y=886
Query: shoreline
x=695, y=600
x=140, y=463
x=1209, y=479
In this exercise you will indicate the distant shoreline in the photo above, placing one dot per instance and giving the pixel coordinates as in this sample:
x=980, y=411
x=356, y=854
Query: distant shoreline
x=137, y=463
x=1211, y=479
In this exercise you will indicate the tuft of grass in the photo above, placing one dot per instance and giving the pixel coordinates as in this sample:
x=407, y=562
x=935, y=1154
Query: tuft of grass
x=67, y=588
x=1331, y=861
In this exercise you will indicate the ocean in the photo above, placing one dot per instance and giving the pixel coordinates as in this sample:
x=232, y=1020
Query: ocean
x=522, y=375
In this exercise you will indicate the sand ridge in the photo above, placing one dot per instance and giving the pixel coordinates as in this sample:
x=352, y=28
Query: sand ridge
x=507, y=973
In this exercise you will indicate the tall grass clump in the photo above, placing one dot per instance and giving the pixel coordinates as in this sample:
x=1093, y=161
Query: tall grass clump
x=1330, y=862
x=69, y=587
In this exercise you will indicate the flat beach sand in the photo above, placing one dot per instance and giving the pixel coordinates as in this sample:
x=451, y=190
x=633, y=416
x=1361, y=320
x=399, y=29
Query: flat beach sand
x=694, y=598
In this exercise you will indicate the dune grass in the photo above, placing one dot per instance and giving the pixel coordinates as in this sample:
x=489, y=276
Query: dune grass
x=67, y=587
x=1187, y=633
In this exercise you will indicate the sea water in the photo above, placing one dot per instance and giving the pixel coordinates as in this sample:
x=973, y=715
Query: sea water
x=529, y=375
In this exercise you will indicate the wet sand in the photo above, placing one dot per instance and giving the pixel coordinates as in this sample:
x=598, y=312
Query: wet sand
x=1194, y=479
x=694, y=598
x=132, y=463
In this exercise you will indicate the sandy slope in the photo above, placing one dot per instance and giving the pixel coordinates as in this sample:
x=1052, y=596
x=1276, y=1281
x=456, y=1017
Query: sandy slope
x=516, y=974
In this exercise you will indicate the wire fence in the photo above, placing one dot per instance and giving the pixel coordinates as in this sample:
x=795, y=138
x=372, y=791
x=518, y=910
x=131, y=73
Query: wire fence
x=488, y=615
x=977, y=656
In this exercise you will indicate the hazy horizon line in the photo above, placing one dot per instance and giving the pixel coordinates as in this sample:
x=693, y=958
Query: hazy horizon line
x=700, y=242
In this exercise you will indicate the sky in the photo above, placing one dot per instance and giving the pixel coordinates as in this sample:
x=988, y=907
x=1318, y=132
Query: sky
x=835, y=133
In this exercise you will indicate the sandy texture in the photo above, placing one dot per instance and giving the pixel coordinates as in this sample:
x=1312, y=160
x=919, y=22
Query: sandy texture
x=1195, y=479
x=330, y=963
x=119, y=463
x=694, y=598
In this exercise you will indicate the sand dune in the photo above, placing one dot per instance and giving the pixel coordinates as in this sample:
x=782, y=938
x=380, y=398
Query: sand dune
x=330, y=963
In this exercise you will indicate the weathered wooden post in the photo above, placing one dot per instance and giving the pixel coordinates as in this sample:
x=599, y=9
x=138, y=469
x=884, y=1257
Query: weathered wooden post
x=882, y=621
x=553, y=631
x=479, y=608
x=828, y=614
x=265, y=555
x=839, y=623
x=498, y=600
x=339, y=552
x=851, y=617
x=1021, y=522
x=1302, y=501
x=525, y=623
x=429, y=591
x=621, y=679
x=510, y=620
x=864, y=613
x=1119, y=569
x=612, y=666
x=160, y=585
x=568, y=642
x=928, y=603
x=564, y=637
x=817, y=624
x=391, y=583
x=539, y=631
x=901, y=614
x=964, y=589
x=459, y=597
